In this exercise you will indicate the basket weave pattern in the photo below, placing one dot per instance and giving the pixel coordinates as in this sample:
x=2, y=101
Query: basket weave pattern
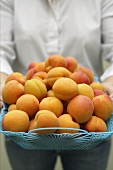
x=66, y=141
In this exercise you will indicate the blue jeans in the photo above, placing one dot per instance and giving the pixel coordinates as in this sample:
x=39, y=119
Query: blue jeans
x=92, y=159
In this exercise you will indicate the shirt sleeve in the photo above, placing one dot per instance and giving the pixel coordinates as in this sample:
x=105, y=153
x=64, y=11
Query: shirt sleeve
x=7, y=52
x=107, y=36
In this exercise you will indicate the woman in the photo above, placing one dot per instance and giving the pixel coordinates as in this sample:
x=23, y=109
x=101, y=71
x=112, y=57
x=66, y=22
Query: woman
x=34, y=30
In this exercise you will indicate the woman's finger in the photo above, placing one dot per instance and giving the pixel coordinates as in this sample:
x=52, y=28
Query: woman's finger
x=1, y=102
x=111, y=96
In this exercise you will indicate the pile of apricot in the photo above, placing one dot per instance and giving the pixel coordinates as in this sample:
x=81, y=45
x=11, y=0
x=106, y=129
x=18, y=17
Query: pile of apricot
x=55, y=93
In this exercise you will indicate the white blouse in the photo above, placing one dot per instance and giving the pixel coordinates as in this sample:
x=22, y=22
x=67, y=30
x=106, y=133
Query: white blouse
x=32, y=30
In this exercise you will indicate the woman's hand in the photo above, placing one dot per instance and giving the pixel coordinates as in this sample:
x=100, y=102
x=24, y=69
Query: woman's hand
x=3, y=77
x=108, y=86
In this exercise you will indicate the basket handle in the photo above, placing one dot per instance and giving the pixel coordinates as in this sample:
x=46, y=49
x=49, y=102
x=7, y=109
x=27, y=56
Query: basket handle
x=57, y=128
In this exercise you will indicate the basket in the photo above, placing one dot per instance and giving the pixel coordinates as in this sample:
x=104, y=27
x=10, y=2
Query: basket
x=78, y=141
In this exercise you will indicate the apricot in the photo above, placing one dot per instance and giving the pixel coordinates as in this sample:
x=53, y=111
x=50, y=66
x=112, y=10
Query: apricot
x=79, y=77
x=40, y=67
x=11, y=91
x=88, y=72
x=55, y=61
x=35, y=87
x=66, y=121
x=53, y=104
x=37, y=67
x=50, y=93
x=86, y=90
x=45, y=119
x=56, y=73
x=28, y=103
x=98, y=92
x=97, y=85
x=71, y=63
x=16, y=76
x=12, y=107
x=31, y=125
x=33, y=65
x=30, y=73
x=65, y=89
x=15, y=121
x=103, y=106
x=80, y=108
x=43, y=76
x=95, y=124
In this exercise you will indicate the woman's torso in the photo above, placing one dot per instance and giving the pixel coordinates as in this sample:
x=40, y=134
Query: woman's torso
x=68, y=28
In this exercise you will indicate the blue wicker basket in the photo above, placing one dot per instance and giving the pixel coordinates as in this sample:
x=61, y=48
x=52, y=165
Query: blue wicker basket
x=66, y=141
